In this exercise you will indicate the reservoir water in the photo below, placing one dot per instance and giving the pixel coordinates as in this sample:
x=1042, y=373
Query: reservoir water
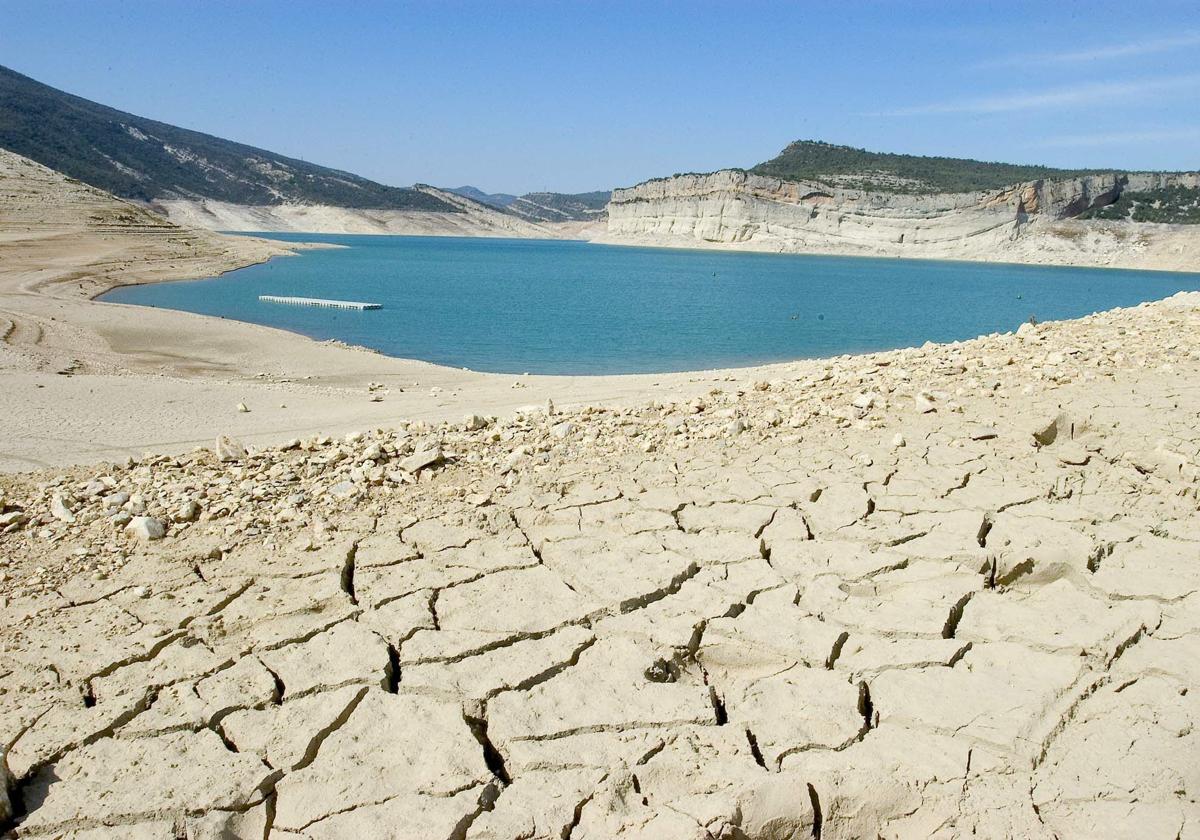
x=546, y=306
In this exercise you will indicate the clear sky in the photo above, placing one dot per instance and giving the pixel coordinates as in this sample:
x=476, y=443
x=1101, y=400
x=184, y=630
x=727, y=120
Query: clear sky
x=571, y=95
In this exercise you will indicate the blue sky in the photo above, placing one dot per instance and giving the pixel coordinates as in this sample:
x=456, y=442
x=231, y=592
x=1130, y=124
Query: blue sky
x=574, y=95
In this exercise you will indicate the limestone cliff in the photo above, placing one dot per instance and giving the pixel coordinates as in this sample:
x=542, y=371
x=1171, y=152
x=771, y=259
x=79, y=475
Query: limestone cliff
x=733, y=208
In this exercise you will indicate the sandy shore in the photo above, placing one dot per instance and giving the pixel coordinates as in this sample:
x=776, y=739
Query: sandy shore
x=86, y=381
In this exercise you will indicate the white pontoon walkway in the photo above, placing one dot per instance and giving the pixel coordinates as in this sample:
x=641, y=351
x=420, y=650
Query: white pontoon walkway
x=327, y=304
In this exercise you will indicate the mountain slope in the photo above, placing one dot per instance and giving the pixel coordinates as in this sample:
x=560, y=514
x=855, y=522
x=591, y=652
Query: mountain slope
x=494, y=199
x=544, y=207
x=562, y=207
x=145, y=160
x=465, y=217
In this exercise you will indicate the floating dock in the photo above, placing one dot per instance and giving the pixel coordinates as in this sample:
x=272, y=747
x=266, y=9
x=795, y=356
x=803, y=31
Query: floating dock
x=325, y=304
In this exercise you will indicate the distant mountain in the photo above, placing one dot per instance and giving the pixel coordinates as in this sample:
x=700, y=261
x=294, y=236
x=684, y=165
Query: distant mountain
x=494, y=199
x=144, y=160
x=845, y=166
x=544, y=206
x=561, y=207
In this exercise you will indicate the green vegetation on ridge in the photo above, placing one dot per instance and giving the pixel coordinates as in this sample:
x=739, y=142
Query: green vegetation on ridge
x=543, y=206
x=811, y=160
x=561, y=207
x=1170, y=205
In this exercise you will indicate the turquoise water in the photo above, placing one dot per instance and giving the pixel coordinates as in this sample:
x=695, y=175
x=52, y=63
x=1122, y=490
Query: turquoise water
x=541, y=306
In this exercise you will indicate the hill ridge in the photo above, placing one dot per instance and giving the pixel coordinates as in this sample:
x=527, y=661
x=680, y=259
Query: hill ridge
x=145, y=160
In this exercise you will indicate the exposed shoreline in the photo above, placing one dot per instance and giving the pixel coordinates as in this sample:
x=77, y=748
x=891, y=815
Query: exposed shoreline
x=309, y=387
x=730, y=369
x=686, y=244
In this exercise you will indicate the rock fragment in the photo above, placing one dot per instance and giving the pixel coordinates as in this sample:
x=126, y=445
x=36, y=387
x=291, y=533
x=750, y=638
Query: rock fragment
x=228, y=449
x=59, y=509
x=146, y=528
x=422, y=458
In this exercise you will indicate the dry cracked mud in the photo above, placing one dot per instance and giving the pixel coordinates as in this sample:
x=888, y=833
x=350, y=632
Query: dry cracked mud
x=944, y=592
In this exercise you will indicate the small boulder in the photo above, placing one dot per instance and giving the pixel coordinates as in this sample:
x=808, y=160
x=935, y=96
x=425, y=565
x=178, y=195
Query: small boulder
x=1048, y=431
x=146, y=528
x=59, y=509
x=12, y=520
x=228, y=449
x=422, y=458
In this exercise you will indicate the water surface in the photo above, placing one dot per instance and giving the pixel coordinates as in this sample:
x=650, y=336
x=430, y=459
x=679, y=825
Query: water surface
x=510, y=305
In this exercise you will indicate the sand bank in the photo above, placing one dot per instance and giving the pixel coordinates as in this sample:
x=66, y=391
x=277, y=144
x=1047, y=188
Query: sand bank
x=86, y=381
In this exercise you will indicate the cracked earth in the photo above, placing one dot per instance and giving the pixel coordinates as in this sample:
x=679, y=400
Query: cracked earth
x=943, y=592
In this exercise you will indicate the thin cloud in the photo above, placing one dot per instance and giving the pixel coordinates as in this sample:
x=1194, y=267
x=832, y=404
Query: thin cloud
x=1129, y=49
x=1083, y=94
x=1119, y=137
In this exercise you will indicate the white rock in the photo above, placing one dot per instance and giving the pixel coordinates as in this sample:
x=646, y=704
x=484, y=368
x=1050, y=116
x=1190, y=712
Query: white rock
x=146, y=528
x=563, y=430
x=229, y=449
x=242, y=408
x=59, y=509
x=898, y=441
x=342, y=490
x=115, y=500
x=864, y=401
x=422, y=458
x=188, y=512
x=478, y=499
x=12, y=519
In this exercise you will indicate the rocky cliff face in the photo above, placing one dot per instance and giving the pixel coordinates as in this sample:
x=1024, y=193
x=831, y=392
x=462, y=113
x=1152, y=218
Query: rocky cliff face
x=737, y=209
